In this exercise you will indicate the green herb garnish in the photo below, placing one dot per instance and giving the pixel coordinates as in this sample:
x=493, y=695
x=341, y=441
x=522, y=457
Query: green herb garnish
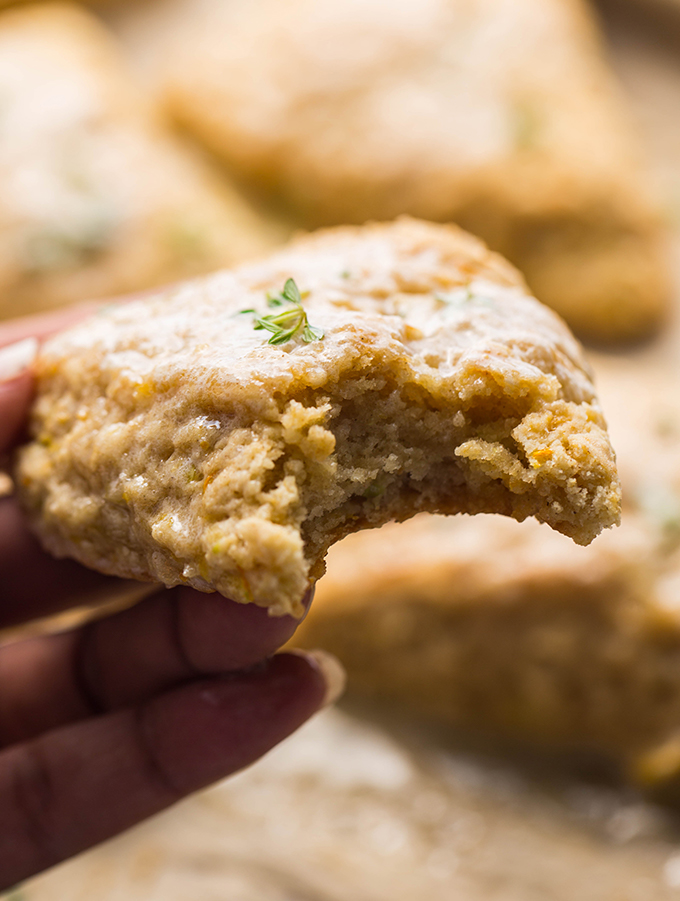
x=291, y=320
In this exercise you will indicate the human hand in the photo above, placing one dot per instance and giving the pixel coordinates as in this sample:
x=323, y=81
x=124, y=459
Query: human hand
x=108, y=724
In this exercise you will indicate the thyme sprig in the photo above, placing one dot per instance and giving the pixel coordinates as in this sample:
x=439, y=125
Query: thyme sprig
x=291, y=319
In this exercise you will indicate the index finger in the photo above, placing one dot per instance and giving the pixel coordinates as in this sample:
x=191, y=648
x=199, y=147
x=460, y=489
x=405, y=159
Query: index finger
x=15, y=400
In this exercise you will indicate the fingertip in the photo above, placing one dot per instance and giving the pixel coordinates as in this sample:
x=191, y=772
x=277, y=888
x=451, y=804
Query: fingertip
x=306, y=603
x=220, y=635
x=210, y=729
x=330, y=668
x=16, y=394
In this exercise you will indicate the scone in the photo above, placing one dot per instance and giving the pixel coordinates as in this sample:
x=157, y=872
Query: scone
x=96, y=197
x=222, y=434
x=499, y=115
x=512, y=633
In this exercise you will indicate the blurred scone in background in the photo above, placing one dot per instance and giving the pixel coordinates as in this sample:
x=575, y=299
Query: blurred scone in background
x=97, y=197
x=500, y=115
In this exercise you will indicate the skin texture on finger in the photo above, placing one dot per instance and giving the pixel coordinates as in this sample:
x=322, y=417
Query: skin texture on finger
x=79, y=785
x=127, y=658
x=15, y=399
x=34, y=584
x=37, y=692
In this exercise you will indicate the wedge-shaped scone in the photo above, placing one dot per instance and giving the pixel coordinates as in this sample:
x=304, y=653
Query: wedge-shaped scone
x=497, y=114
x=513, y=633
x=174, y=443
x=96, y=197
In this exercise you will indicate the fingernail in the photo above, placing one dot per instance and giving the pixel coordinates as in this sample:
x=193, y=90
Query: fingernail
x=16, y=358
x=307, y=602
x=332, y=670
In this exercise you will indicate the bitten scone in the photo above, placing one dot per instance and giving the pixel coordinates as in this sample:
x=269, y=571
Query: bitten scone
x=224, y=433
x=499, y=115
x=513, y=633
x=96, y=197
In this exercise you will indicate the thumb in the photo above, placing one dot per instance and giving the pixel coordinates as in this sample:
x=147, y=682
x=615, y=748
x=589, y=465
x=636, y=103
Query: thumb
x=16, y=388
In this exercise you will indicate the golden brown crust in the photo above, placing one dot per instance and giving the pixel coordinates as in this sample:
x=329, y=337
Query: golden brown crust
x=173, y=443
